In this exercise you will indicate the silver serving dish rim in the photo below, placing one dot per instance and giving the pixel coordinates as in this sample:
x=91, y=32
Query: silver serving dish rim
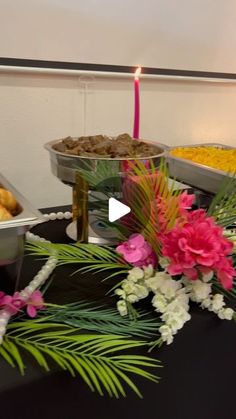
x=48, y=146
x=28, y=216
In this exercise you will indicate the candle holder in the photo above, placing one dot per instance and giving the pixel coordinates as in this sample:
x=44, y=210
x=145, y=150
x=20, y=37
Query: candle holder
x=87, y=226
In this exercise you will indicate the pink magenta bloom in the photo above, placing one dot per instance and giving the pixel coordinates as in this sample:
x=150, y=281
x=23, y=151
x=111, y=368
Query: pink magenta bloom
x=34, y=303
x=12, y=303
x=137, y=251
x=199, y=242
x=186, y=200
x=2, y=295
x=225, y=272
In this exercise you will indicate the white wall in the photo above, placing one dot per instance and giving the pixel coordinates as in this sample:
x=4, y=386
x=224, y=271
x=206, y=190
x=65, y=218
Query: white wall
x=35, y=109
x=182, y=34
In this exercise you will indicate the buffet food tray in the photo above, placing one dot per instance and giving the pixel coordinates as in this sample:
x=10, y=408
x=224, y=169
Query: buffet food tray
x=64, y=166
x=194, y=174
x=12, y=232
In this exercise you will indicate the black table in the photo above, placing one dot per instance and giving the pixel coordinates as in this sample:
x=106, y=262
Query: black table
x=197, y=381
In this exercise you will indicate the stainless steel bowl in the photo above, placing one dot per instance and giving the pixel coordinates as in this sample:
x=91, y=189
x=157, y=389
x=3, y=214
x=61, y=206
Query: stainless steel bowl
x=12, y=232
x=64, y=165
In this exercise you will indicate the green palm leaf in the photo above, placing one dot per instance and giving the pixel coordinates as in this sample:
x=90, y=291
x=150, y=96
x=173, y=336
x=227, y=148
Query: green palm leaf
x=100, y=360
x=92, y=257
x=154, y=184
x=223, y=205
x=101, y=319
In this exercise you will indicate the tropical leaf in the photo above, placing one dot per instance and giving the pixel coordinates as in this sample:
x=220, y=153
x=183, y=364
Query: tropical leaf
x=104, y=171
x=92, y=257
x=100, y=360
x=102, y=319
x=223, y=205
x=147, y=183
x=145, y=206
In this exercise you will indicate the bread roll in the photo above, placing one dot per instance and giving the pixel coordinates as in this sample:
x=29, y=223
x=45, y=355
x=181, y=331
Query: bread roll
x=7, y=200
x=4, y=214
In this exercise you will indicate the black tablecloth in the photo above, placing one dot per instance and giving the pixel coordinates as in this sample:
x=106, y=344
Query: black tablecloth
x=197, y=380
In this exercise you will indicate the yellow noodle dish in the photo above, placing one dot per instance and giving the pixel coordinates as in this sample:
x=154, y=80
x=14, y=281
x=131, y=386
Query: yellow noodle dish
x=212, y=156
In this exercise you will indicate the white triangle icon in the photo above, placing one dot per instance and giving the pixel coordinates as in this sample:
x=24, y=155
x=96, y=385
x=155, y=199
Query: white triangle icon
x=116, y=210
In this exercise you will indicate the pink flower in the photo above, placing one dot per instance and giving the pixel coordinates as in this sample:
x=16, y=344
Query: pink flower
x=199, y=242
x=225, y=272
x=12, y=303
x=186, y=200
x=2, y=295
x=34, y=303
x=137, y=251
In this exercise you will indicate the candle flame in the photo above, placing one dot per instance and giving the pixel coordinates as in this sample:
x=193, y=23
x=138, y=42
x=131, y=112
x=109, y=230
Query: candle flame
x=137, y=72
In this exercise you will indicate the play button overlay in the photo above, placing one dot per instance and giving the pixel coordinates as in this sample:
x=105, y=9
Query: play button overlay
x=118, y=206
x=117, y=210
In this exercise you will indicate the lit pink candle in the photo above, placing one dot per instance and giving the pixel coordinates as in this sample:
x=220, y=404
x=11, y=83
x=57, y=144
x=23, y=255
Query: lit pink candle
x=136, y=103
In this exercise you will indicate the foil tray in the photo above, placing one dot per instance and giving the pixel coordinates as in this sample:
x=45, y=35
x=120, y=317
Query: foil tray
x=12, y=232
x=64, y=166
x=194, y=174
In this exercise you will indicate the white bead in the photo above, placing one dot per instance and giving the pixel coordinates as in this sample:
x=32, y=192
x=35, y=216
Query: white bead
x=42, y=270
x=60, y=215
x=50, y=263
x=34, y=282
x=2, y=329
x=52, y=216
x=67, y=215
x=46, y=217
x=3, y=321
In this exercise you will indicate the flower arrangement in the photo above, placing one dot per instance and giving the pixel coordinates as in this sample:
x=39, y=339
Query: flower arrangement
x=193, y=251
x=169, y=255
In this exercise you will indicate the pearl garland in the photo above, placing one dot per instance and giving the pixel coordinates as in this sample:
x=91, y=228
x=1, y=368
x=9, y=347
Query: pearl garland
x=51, y=263
x=43, y=274
x=58, y=216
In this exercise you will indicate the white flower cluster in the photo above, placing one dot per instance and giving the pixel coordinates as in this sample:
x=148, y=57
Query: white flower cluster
x=170, y=298
x=133, y=288
x=200, y=292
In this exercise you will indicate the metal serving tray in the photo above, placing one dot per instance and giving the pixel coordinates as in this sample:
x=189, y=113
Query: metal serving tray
x=64, y=166
x=197, y=175
x=12, y=232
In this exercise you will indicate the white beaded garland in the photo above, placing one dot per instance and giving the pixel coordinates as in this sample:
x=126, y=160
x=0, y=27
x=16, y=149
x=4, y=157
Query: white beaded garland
x=51, y=263
x=43, y=274
x=58, y=216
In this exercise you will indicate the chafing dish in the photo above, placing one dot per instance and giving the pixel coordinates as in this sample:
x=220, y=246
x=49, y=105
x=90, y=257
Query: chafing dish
x=197, y=175
x=65, y=166
x=12, y=232
x=86, y=225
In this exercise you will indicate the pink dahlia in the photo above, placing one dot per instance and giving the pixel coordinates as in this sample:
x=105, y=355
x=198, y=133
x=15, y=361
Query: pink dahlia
x=198, y=243
x=137, y=251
